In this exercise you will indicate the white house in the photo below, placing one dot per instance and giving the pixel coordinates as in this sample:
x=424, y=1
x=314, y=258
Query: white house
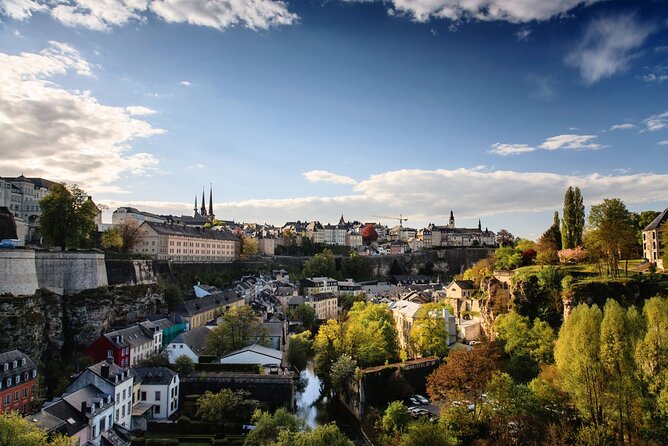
x=97, y=406
x=253, y=354
x=158, y=394
x=113, y=380
x=190, y=343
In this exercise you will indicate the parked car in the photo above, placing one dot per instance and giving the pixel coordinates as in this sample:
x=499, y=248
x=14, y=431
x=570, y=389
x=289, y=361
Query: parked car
x=413, y=401
x=421, y=399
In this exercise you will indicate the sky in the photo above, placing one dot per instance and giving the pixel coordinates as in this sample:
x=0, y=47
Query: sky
x=310, y=109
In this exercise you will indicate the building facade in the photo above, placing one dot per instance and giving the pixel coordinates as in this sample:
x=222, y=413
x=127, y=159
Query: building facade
x=18, y=380
x=181, y=243
x=654, y=240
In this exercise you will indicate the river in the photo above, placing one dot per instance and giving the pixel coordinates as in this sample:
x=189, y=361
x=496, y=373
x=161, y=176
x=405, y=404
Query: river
x=317, y=409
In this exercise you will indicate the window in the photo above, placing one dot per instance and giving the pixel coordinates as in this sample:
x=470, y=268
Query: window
x=14, y=364
x=23, y=361
x=16, y=395
x=157, y=395
x=116, y=414
x=123, y=410
x=156, y=409
x=6, y=366
x=25, y=393
x=9, y=382
x=8, y=399
x=123, y=393
x=118, y=396
x=143, y=396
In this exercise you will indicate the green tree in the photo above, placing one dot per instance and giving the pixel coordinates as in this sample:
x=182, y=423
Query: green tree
x=427, y=434
x=429, y=335
x=507, y=258
x=299, y=349
x=320, y=265
x=269, y=426
x=224, y=405
x=396, y=417
x=549, y=243
x=577, y=355
x=618, y=343
x=183, y=365
x=572, y=224
x=612, y=221
x=303, y=313
x=249, y=246
x=328, y=346
x=111, y=238
x=642, y=221
x=68, y=217
x=370, y=335
x=18, y=431
x=327, y=435
x=342, y=369
x=239, y=328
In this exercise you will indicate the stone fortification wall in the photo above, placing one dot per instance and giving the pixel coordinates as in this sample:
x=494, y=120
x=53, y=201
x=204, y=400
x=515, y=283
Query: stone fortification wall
x=70, y=272
x=129, y=272
x=22, y=271
x=18, y=275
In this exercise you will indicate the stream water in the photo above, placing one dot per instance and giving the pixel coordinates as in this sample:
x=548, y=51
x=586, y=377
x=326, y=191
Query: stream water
x=318, y=409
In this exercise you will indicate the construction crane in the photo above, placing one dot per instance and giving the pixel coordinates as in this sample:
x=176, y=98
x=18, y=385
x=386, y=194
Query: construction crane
x=400, y=218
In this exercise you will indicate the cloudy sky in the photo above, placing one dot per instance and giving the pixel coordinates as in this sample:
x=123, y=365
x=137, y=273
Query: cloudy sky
x=307, y=109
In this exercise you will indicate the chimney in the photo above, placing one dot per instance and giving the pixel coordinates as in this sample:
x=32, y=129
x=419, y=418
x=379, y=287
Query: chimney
x=83, y=407
x=104, y=370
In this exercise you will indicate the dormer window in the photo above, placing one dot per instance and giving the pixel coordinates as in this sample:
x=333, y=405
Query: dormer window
x=9, y=382
x=6, y=366
x=23, y=361
x=18, y=379
x=34, y=373
x=15, y=364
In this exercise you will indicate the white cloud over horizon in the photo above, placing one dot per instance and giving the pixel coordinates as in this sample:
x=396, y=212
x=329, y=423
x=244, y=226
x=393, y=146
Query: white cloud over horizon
x=66, y=135
x=656, y=122
x=608, y=46
x=513, y=11
x=624, y=126
x=425, y=196
x=323, y=176
x=559, y=142
x=102, y=15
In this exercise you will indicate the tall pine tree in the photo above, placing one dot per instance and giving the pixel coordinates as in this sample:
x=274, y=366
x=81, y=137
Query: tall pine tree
x=572, y=224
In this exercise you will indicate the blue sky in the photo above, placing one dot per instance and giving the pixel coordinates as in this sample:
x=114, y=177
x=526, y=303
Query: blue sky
x=310, y=109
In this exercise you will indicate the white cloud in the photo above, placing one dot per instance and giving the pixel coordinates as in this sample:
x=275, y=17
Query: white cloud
x=139, y=110
x=571, y=142
x=624, y=126
x=514, y=11
x=559, y=142
x=101, y=15
x=428, y=195
x=322, y=176
x=663, y=143
x=523, y=34
x=185, y=83
x=656, y=122
x=511, y=149
x=608, y=46
x=65, y=135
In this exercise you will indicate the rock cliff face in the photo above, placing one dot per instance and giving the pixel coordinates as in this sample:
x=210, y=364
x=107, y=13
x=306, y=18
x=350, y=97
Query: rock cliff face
x=47, y=326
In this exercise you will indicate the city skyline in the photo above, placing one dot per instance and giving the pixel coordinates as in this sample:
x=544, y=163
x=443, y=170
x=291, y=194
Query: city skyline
x=315, y=109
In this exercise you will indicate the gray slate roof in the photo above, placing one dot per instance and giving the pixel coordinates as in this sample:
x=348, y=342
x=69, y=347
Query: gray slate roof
x=195, y=339
x=155, y=375
x=657, y=221
x=187, y=231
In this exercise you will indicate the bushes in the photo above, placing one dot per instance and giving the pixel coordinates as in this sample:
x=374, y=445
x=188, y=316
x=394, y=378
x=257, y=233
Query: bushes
x=161, y=442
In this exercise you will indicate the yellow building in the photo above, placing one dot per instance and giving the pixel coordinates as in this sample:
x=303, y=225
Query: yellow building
x=180, y=243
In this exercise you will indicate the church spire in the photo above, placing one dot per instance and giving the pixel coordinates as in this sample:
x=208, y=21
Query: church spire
x=479, y=225
x=211, y=200
x=451, y=223
x=203, y=204
x=195, y=206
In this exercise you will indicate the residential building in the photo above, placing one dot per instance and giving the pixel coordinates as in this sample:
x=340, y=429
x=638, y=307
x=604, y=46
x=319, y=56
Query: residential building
x=276, y=332
x=109, y=379
x=459, y=294
x=130, y=345
x=354, y=239
x=125, y=213
x=283, y=294
x=315, y=285
x=181, y=243
x=324, y=304
x=98, y=408
x=18, y=380
x=61, y=418
x=316, y=232
x=397, y=247
x=197, y=312
x=21, y=195
x=254, y=354
x=654, y=239
x=404, y=313
x=191, y=343
x=158, y=394
x=349, y=287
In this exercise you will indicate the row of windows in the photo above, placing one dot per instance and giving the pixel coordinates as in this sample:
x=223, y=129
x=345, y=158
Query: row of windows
x=17, y=395
x=17, y=378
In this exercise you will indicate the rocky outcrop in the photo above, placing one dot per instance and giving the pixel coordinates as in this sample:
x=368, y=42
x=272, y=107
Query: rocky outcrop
x=90, y=313
x=46, y=325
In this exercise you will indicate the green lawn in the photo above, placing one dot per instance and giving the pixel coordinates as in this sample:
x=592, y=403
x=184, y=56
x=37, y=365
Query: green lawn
x=584, y=269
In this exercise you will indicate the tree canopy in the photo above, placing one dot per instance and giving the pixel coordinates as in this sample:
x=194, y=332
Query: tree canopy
x=429, y=335
x=572, y=224
x=68, y=217
x=239, y=328
x=18, y=431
